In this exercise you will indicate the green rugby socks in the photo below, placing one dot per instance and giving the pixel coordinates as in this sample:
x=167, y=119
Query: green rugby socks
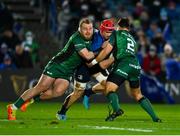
x=19, y=102
x=146, y=105
x=114, y=101
x=37, y=98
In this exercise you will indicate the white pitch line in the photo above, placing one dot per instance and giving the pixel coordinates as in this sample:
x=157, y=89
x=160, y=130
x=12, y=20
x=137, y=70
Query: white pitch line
x=116, y=128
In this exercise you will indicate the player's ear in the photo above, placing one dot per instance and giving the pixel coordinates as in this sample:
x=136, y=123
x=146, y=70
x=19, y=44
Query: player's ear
x=79, y=29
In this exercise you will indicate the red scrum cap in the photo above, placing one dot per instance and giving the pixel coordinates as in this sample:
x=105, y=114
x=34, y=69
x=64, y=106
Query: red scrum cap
x=107, y=25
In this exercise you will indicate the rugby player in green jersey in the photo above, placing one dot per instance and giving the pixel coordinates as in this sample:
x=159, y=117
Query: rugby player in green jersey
x=126, y=67
x=56, y=76
x=83, y=73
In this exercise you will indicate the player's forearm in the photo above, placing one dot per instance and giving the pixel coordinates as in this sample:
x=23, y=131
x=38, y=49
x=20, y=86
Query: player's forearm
x=106, y=63
x=87, y=55
x=105, y=52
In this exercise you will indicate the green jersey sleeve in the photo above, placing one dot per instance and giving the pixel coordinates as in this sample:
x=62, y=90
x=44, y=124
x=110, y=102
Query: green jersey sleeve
x=112, y=39
x=79, y=44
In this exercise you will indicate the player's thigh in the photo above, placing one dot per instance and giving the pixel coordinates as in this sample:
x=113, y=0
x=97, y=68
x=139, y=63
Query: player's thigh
x=45, y=82
x=110, y=87
x=114, y=81
x=79, y=86
x=79, y=89
x=99, y=88
x=134, y=83
x=60, y=86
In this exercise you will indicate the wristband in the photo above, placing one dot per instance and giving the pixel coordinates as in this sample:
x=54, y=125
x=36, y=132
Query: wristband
x=94, y=62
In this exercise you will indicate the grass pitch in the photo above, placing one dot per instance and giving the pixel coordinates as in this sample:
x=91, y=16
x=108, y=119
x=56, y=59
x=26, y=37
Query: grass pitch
x=40, y=119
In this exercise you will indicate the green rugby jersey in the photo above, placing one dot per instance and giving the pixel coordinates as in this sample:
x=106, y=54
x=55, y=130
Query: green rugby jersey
x=124, y=50
x=66, y=61
x=124, y=44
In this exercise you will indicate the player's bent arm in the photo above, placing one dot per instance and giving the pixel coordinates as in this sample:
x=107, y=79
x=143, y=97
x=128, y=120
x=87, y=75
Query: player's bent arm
x=107, y=48
x=88, y=55
x=106, y=63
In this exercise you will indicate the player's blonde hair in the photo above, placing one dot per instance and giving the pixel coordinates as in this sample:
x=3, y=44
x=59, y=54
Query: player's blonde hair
x=84, y=20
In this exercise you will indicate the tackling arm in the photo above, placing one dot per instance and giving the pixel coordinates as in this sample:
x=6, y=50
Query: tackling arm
x=106, y=63
x=87, y=55
x=105, y=51
x=107, y=48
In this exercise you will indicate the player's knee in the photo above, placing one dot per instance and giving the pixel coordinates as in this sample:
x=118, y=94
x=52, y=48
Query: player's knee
x=136, y=94
x=79, y=86
x=110, y=88
x=41, y=87
x=78, y=94
x=58, y=92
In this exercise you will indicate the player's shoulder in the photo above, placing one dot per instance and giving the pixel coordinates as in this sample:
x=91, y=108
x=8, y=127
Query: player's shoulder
x=96, y=31
x=114, y=32
x=75, y=36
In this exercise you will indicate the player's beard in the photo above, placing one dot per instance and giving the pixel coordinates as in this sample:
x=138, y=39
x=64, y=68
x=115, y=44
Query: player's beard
x=89, y=37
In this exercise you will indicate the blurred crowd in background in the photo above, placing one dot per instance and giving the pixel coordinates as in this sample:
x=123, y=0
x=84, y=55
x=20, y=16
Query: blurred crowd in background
x=154, y=24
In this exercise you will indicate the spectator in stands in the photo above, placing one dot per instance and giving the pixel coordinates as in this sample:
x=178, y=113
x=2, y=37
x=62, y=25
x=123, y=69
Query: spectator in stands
x=165, y=24
x=122, y=11
x=64, y=17
x=10, y=38
x=22, y=58
x=143, y=44
x=7, y=63
x=139, y=9
x=168, y=53
x=145, y=20
x=32, y=47
x=172, y=10
x=136, y=24
x=4, y=51
x=170, y=63
x=159, y=42
x=153, y=30
x=151, y=63
x=154, y=7
x=143, y=47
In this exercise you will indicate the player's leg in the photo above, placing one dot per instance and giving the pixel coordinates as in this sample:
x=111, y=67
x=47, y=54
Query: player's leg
x=70, y=99
x=134, y=81
x=143, y=101
x=42, y=96
x=99, y=71
x=98, y=88
x=44, y=83
x=112, y=85
x=57, y=89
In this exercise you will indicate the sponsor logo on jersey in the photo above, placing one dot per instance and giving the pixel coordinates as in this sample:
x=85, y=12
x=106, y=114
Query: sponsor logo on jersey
x=134, y=66
x=50, y=73
x=80, y=77
x=122, y=72
x=87, y=42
